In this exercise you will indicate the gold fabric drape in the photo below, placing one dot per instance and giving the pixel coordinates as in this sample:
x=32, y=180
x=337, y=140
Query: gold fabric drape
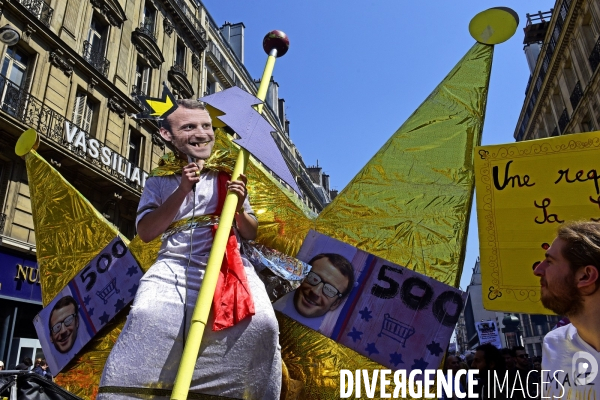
x=410, y=204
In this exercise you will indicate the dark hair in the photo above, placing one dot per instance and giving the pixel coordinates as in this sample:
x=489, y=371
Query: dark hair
x=190, y=104
x=583, y=243
x=513, y=351
x=43, y=363
x=342, y=264
x=65, y=301
x=505, y=352
x=492, y=355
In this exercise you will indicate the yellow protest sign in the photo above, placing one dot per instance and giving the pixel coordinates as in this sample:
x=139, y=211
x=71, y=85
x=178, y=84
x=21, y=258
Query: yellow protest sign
x=524, y=192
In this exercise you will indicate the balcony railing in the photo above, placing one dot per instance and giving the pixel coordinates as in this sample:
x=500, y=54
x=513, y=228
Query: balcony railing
x=135, y=92
x=147, y=28
x=563, y=121
x=214, y=50
x=545, y=59
x=179, y=68
x=2, y=222
x=576, y=95
x=95, y=58
x=189, y=14
x=594, y=57
x=40, y=9
x=30, y=111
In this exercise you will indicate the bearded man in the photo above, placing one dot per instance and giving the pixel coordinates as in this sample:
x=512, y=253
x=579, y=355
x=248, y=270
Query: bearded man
x=569, y=279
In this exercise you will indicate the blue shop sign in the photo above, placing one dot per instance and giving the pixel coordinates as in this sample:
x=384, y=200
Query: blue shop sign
x=19, y=278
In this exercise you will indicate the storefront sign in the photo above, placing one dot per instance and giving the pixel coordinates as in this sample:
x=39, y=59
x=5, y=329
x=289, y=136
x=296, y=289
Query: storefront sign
x=19, y=278
x=97, y=151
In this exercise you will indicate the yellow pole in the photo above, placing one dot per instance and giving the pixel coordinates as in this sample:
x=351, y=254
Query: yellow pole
x=215, y=259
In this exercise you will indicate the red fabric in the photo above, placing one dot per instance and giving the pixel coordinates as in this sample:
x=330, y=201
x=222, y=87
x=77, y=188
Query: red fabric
x=233, y=300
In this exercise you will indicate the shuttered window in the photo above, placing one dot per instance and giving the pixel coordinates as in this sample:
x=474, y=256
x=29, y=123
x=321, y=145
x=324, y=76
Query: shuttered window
x=83, y=111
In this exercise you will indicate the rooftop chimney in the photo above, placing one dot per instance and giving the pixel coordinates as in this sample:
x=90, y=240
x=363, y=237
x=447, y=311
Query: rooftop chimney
x=234, y=35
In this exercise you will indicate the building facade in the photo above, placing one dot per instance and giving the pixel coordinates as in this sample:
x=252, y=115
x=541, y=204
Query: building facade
x=562, y=47
x=74, y=77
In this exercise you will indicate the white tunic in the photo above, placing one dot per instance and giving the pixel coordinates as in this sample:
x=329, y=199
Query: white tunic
x=240, y=362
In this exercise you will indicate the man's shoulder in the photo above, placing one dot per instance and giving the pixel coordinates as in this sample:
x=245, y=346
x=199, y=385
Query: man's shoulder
x=561, y=334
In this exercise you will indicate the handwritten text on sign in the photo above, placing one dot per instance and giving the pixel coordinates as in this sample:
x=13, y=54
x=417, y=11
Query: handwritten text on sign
x=524, y=192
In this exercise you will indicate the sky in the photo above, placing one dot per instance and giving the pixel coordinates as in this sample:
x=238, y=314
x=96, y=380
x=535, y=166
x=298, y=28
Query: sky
x=356, y=70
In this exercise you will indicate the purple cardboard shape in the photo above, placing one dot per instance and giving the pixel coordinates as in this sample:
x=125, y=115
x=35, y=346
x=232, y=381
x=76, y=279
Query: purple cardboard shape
x=253, y=128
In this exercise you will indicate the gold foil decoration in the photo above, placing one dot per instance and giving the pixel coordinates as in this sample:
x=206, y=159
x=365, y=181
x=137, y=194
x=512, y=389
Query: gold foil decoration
x=69, y=233
x=410, y=204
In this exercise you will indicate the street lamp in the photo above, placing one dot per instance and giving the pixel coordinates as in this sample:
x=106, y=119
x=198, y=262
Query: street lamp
x=9, y=35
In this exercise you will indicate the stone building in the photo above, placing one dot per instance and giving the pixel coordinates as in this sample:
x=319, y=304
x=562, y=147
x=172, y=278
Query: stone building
x=74, y=76
x=562, y=47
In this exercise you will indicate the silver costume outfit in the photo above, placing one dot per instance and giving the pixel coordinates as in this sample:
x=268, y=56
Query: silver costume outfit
x=243, y=361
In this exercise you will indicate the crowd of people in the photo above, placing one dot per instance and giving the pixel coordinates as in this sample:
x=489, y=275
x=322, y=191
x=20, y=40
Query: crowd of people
x=40, y=367
x=518, y=376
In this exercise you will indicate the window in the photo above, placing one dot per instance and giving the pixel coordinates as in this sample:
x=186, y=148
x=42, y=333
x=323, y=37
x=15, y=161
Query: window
x=587, y=125
x=210, y=87
x=83, y=111
x=180, y=55
x=143, y=74
x=149, y=19
x=97, y=37
x=14, y=68
x=136, y=143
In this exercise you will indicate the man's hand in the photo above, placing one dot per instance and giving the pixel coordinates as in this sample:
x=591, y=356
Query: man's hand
x=239, y=188
x=190, y=175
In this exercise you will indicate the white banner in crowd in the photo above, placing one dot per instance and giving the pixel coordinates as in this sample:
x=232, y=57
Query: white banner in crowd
x=488, y=333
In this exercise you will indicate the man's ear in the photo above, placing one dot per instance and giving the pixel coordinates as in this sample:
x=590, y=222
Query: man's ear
x=165, y=134
x=587, y=278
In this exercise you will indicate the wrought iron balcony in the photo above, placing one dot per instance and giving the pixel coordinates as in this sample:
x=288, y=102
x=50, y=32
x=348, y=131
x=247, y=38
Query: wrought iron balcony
x=563, y=121
x=594, y=57
x=95, y=58
x=40, y=9
x=32, y=112
x=135, y=92
x=147, y=28
x=189, y=14
x=216, y=53
x=576, y=95
x=179, y=68
x=2, y=222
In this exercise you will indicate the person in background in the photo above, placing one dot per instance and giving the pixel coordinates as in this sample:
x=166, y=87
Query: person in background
x=452, y=364
x=42, y=369
x=509, y=359
x=530, y=379
x=469, y=359
x=25, y=365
